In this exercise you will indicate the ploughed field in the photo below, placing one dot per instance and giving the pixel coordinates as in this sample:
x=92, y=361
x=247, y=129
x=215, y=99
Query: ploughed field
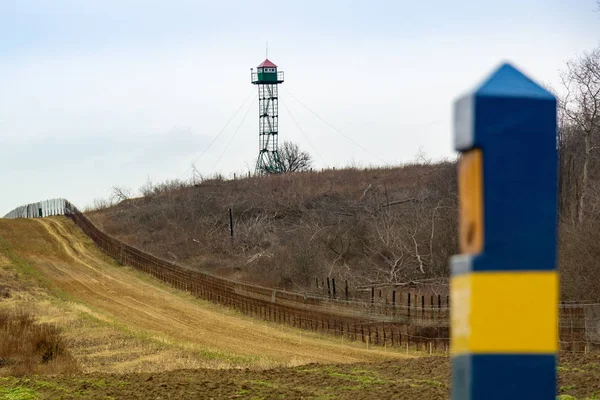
x=121, y=334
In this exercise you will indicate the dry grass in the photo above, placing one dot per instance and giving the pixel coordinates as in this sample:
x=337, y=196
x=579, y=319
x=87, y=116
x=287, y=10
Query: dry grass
x=97, y=342
x=115, y=319
x=102, y=344
x=29, y=347
x=4, y=260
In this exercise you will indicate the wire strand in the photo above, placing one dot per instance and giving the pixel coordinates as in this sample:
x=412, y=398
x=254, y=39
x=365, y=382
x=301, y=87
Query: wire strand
x=220, y=133
x=334, y=128
x=302, y=131
x=235, y=133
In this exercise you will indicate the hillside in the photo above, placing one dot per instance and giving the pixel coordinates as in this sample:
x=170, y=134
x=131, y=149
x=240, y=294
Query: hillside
x=170, y=329
x=375, y=226
x=384, y=227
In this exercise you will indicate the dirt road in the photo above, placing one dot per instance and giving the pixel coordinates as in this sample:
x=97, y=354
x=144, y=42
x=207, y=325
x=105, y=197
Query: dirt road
x=63, y=255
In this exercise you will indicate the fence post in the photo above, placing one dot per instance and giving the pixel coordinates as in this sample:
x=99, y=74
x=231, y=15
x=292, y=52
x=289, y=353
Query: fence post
x=328, y=288
x=346, y=290
x=432, y=309
x=416, y=305
x=372, y=295
x=333, y=285
x=231, y=222
x=506, y=130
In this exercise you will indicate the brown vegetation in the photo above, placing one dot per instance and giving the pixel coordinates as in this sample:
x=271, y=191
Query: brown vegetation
x=27, y=346
x=579, y=139
x=377, y=226
x=293, y=159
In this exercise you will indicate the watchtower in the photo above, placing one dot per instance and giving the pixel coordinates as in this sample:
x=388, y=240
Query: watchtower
x=267, y=78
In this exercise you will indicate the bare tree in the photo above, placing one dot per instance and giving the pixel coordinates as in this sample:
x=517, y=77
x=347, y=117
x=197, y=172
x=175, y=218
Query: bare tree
x=99, y=204
x=293, y=159
x=580, y=107
x=120, y=193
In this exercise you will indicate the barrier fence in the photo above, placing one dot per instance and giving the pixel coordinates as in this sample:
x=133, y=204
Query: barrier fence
x=422, y=325
x=39, y=210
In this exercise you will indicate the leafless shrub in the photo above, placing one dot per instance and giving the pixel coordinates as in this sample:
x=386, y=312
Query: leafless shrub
x=98, y=204
x=146, y=190
x=168, y=186
x=119, y=194
x=150, y=189
x=293, y=159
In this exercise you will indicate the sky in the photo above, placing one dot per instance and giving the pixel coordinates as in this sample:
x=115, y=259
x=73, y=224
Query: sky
x=96, y=94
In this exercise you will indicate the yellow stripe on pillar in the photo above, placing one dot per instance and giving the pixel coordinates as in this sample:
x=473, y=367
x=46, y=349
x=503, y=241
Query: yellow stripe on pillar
x=470, y=187
x=504, y=312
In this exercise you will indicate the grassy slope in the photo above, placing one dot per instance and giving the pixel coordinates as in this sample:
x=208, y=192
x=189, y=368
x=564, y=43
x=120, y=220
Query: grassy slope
x=98, y=342
x=118, y=320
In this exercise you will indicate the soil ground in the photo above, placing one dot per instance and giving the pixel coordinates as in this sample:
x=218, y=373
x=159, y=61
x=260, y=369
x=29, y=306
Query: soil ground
x=425, y=378
x=422, y=378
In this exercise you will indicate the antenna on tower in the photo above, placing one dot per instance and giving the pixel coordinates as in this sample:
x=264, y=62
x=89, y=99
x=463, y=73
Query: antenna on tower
x=267, y=52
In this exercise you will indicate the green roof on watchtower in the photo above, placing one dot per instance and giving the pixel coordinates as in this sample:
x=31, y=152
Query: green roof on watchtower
x=267, y=63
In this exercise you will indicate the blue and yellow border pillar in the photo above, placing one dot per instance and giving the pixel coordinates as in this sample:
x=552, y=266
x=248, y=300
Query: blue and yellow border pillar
x=504, y=284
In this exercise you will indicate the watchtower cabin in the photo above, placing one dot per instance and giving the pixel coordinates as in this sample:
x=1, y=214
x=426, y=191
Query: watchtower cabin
x=267, y=72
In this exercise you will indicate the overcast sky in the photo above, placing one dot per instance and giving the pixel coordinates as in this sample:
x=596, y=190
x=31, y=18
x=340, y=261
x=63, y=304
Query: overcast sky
x=116, y=92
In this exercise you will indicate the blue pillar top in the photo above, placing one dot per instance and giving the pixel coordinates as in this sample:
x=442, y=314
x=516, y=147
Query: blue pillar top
x=512, y=120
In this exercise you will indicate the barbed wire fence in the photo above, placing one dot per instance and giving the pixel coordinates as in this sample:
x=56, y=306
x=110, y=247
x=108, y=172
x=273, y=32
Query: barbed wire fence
x=378, y=323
